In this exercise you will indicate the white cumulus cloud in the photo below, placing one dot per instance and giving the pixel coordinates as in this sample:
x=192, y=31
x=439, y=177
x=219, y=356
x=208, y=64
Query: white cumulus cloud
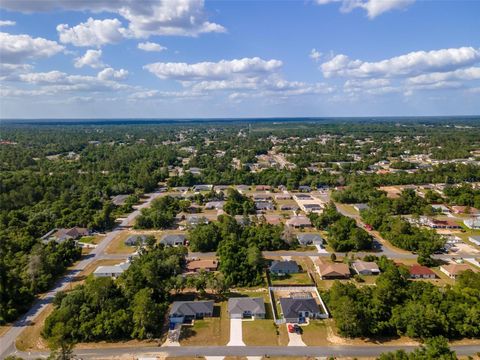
x=7, y=23
x=92, y=58
x=315, y=55
x=223, y=69
x=411, y=64
x=151, y=46
x=16, y=49
x=373, y=8
x=92, y=32
x=112, y=74
x=145, y=18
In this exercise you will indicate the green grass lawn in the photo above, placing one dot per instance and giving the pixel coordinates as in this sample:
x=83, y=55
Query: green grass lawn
x=315, y=333
x=261, y=332
x=299, y=279
x=208, y=331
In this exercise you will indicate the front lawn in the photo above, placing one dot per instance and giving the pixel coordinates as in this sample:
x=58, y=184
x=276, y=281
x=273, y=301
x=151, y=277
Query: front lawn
x=315, y=333
x=209, y=331
x=297, y=279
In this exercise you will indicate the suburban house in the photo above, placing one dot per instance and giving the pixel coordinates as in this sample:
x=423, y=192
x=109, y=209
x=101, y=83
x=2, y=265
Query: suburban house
x=111, y=270
x=313, y=207
x=360, y=207
x=186, y=311
x=333, y=270
x=284, y=267
x=475, y=239
x=271, y=219
x=441, y=208
x=305, y=239
x=119, y=200
x=61, y=235
x=365, y=267
x=262, y=197
x=242, y=188
x=283, y=196
x=297, y=310
x=246, y=307
x=195, y=171
x=453, y=270
x=264, y=206
x=473, y=223
x=299, y=222
x=219, y=188
x=181, y=188
x=440, y=224
x=194, y=220
x=173, y=239
x=198, y=265
x=304, y=188
x=464, y=210
x=202, y=187
x=421, y=272
x=287, y=207
x=263, y=188
x=217, y=205
x=133, y=240
x=302, y=197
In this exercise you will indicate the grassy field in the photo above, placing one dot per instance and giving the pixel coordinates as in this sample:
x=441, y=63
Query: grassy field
x=315, y=333
x=91, y=239
x=30, y=338
x=261, y=332
x=4, y=329
x=117, y=246
x=299, y=278
x=209, y=331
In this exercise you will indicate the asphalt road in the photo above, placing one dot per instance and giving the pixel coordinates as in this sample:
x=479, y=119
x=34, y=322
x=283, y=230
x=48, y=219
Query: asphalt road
x=195, y=351
x=7, y=341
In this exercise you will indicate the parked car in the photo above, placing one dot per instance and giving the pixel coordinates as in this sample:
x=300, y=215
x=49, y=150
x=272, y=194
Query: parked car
x=291, y=328
x=297, y=329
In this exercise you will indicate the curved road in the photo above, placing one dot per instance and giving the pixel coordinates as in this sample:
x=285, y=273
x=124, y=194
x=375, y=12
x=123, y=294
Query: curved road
x=7, y=341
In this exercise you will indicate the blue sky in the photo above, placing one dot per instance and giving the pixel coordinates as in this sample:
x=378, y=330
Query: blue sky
x=189, y=58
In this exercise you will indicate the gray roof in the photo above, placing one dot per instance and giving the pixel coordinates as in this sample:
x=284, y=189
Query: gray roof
x=191, y=308
x=172, y=239
x=242, y=304
x=119, y=199
x=292, y=307
x=361, y=206
x=309, y=238
x=132, y=239
x=284, y=266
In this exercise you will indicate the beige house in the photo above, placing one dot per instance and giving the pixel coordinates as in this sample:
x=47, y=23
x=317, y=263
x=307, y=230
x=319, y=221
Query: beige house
x=453, y=270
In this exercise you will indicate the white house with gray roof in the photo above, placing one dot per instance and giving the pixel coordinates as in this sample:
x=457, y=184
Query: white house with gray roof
x=246, y=307
x=186, y=311
x=173, y=240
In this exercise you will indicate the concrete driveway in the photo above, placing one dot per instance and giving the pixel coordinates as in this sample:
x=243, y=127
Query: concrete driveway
x=236, y=336
x=295, y=339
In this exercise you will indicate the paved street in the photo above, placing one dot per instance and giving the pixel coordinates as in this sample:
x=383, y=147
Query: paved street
x=193, y=351
x=7, y=341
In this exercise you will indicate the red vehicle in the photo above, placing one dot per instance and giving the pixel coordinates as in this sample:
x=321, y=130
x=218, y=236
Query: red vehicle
x=291, y=329
x=368, y=227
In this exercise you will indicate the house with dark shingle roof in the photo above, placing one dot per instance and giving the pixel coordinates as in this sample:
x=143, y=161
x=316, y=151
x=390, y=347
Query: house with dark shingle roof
x=284, y=267
x=246, y=307
x=133, y=240
x=173, y=240
x=186, y=311
x=296, y=310
x=305, y=239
